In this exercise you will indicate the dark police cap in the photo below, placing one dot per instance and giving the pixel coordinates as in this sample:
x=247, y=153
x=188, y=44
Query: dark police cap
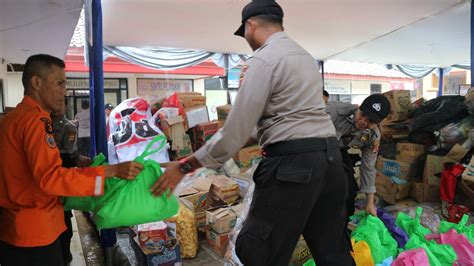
x=259, y=7
x=376, y=107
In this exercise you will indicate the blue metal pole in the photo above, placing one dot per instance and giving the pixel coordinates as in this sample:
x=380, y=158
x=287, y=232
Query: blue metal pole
x=441, y=76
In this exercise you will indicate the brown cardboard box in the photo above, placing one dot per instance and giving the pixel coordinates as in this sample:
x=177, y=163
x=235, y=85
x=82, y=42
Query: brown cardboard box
x=218, y=242
x=417, y=191
x=191, y=99
x=388, y=132
x=399, y=169
x=196, y=196
x=224, y=188
x=196, y=115
x=409, y=152
x=434, y=165
x=245, y=156
x=400, y=102
x=389, y=191
x=181, y=152
x=200, y=219
x=222, y=220
x=223, y=112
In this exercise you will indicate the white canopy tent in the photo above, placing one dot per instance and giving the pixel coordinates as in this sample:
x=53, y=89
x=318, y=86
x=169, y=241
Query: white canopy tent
x=422, y=32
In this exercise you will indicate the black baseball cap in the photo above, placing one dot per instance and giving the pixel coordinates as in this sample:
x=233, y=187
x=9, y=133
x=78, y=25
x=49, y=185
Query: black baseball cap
x=109, y=106
x=259, y=7
x=376, y=107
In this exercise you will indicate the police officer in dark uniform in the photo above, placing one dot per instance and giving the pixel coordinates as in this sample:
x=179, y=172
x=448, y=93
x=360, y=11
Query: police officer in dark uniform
x=357, y=127
x=65, y=135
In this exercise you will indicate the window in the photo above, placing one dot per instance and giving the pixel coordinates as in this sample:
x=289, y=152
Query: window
x=375, y=88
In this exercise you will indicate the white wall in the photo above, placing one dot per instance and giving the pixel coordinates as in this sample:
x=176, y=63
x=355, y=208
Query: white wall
x=14, y=91
x=199, y=86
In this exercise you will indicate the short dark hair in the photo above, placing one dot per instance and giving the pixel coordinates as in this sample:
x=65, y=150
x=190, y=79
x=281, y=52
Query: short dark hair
x=270, y=19
x=85, y=104
x=326, y=93
x=38, y=65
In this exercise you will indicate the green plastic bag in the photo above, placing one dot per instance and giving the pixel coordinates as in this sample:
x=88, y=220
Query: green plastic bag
x=438, y=255
x=461, y=227
x=130, y=202
x=310, y=262
x=412, y=226
x=87, y=203
x=373, y=231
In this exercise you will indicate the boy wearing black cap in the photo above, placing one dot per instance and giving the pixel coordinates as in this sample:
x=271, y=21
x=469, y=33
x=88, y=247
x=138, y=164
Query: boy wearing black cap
x=300, y=185
x=357, y=127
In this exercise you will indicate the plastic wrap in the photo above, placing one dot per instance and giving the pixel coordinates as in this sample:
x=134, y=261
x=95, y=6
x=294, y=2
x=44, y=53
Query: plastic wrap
x=131, y=128
x=186, y=231
x=230, y=256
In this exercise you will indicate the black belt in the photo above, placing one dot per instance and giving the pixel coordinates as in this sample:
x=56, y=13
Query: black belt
x=301, y=146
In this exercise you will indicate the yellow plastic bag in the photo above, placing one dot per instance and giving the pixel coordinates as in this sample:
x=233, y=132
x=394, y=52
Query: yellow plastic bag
x=362, y=254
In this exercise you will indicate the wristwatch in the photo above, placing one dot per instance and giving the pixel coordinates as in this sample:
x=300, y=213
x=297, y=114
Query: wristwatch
x=185, y=168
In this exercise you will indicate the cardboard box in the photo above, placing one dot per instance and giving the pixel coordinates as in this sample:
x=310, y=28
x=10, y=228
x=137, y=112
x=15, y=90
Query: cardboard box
x=223, y=219
x=390, y=192
x=224, y=188
x=200, y=219
x=400, y=102
x=201, y=133
x=394, y=168
x=191, y=99
x=151, y=236
x=184, y=151
x=169, y=255
x=218, y=242
x=417, y=191
x=409, y=152
x=223, y=112
x=434, y=165
x=388, y=132
x=196, y=115
x=245, y=156
x=195, y=197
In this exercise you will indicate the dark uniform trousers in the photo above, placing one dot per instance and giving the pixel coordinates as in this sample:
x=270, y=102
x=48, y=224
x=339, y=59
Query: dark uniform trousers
x=300, y=189
x=352, y=183
x=49, y=255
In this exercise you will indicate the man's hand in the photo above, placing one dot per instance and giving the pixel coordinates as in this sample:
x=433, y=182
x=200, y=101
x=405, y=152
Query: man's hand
x=170, y=179
x=126, y=170
x=83, y=161
x=370, y=207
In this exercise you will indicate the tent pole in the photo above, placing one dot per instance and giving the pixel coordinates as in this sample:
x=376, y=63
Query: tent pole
x=441, y=76
x=321, y=64
x=472, y=46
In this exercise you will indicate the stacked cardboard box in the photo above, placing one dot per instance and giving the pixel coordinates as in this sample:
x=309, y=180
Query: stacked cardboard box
x=246, y=155
x=223, y=112
x=400, y=103
x=156, y=244
x=395, y=125
x=191, y=99
x=224, y=190
x=221, y=221
x=392, y=181
x=201, y=133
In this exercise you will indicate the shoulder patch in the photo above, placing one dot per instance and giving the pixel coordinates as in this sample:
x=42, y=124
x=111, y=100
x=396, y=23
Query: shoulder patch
x=376, y=146
x=48, y=126
x=50, y=141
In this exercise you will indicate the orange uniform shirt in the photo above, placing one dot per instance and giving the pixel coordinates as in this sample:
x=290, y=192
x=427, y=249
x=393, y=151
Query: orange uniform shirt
x=31, y=178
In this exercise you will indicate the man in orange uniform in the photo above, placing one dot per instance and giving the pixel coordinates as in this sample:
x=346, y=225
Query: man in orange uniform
x=31, y=175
